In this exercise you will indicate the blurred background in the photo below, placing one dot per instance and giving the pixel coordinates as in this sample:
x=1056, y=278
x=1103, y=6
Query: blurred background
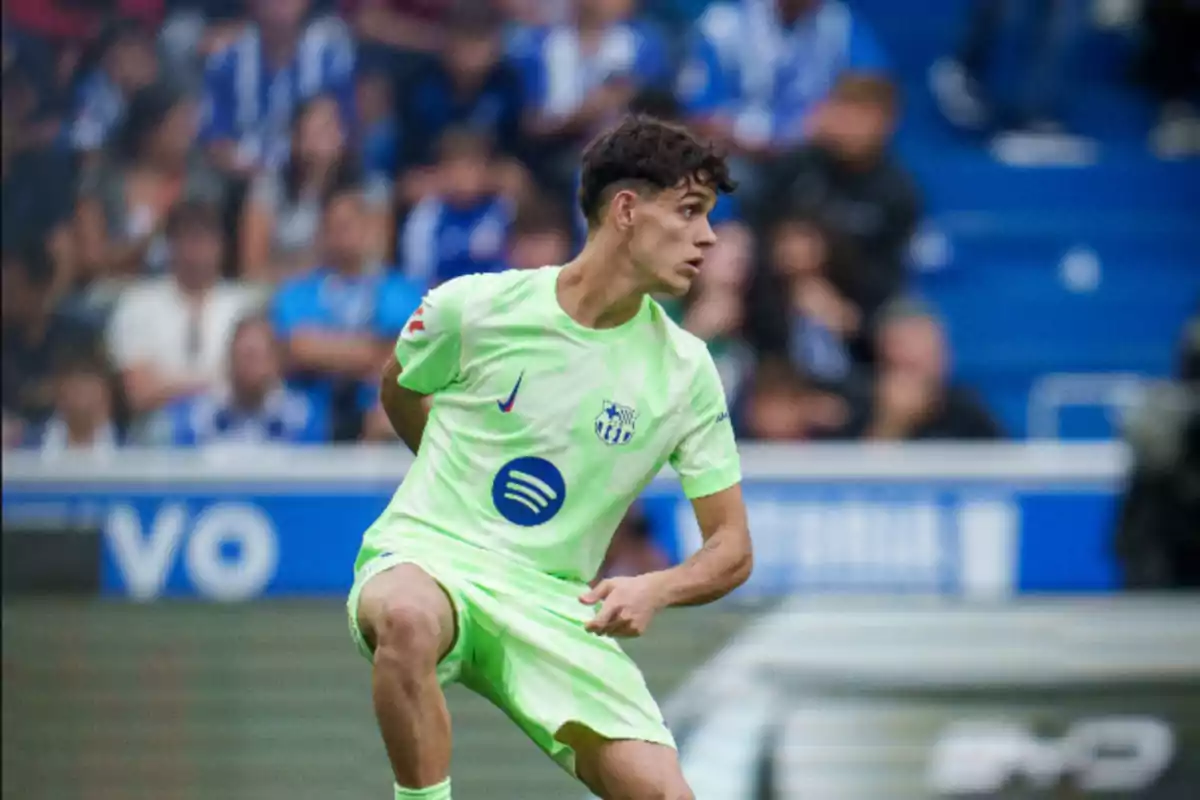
x=955, y=304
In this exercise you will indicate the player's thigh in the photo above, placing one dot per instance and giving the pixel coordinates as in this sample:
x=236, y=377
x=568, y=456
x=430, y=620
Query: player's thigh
x=406, y=608
x=625, y=769
x=532, y=657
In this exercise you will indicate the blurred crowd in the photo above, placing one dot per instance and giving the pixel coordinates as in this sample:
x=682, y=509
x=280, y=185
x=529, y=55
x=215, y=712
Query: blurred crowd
x=217, y=214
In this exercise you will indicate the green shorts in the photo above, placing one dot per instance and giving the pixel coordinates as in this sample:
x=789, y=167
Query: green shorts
x=521, y=644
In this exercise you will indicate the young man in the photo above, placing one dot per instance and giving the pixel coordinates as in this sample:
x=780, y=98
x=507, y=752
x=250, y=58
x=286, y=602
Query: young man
x=557, y=394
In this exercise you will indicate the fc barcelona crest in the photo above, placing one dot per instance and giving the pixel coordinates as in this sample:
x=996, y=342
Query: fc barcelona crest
x=615, y=425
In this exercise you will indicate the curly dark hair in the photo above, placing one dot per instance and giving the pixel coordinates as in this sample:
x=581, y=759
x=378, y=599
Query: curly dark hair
x=649, y=154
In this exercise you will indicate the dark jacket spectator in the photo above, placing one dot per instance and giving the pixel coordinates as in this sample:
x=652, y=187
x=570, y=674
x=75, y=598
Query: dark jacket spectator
x=35, y=336
x=468, y=85
x=1158, y=536
x=848, y=180
x=911, y=396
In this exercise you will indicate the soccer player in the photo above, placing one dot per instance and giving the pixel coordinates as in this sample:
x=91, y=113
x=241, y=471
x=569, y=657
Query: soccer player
x=556, y=395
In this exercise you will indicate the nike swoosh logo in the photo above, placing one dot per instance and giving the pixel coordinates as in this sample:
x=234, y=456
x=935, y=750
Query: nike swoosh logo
x=507, y=405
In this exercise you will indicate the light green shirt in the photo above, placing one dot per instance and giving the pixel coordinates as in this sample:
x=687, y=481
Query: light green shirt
x=543, y=431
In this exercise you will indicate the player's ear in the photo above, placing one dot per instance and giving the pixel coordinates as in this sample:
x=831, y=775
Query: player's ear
x=624, y=204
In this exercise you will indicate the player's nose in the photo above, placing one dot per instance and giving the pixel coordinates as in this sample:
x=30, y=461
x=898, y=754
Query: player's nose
x=706, y=237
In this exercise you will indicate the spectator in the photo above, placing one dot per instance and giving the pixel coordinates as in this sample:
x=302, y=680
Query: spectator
x=580, y=77
x=756, y=70
x=254, y=407
x=1026, y=118
x=169, y=336
x=801, y=303
x=632, y=550
x=529, y=16
x=1169, y=65
x=379, y=129
x=464, y=229
x=13, y=430
x=1157, y=539
x=33, y=96
x=82, y=422
x=124, y=202
x=196, y=30
x=912, y=397
x=125, y=62
x=337, y=323
x=282, y=216
x=539, y=236
x=469, y=86
x=848, y=181
x=69, y=24
x=36, y=198
x=780, y=406
x=253, y=87
x=392, y=32
x=35, y=335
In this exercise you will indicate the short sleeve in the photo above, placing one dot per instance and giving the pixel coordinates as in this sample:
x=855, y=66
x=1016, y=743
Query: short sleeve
x=429, y=348
x=706, y=457
x=290, y=308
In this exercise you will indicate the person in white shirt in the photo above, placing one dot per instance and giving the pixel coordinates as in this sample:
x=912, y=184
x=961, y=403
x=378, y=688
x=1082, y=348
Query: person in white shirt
x=82, y=422
x=169, y=337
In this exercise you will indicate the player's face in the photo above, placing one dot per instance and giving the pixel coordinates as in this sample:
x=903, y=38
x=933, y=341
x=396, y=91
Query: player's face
x=671, y=236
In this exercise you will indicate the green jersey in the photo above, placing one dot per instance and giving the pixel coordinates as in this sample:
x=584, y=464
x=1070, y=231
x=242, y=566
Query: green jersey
x=543, y=432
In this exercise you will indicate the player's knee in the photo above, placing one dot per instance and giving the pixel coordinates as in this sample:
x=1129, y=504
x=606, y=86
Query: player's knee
x=407, y=633
x=672, y=790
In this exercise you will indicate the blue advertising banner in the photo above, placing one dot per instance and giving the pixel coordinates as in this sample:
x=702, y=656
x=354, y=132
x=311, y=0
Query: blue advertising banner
x=980, y=523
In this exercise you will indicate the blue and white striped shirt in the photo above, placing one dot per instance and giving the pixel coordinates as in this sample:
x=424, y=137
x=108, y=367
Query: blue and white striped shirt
x=744, y=64
x=286, y=416
x=441, y=241
x=558, y=75
x=99, y=107
x=249, y=103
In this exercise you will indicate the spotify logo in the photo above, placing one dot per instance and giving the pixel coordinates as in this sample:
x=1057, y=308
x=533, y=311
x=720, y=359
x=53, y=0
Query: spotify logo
x=528, y=491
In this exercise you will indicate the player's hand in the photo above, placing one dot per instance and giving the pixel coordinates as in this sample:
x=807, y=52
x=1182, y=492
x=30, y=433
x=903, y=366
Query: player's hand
x=629, y=604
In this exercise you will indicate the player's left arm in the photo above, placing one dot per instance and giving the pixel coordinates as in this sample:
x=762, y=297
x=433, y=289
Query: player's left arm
x=722, y=563
x=706, y=460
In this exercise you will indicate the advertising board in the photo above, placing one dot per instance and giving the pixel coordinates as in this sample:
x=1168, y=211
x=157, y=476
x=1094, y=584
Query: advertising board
x=970, y=520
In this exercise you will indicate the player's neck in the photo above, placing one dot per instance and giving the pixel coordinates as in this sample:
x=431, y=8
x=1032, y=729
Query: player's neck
x=599, y=289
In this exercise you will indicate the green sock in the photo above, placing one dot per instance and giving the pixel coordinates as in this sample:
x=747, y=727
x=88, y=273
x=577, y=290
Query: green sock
x=439, y=792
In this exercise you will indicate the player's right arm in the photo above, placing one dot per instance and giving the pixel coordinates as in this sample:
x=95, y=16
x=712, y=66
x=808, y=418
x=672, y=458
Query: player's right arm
x=427, y=359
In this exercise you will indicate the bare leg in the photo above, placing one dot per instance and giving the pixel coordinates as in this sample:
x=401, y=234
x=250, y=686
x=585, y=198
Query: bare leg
x=408, y=620
x=625, y=769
